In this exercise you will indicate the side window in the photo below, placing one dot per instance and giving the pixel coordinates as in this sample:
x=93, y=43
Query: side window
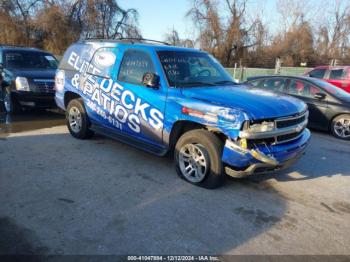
x=254, y=83
x=318, y=73
x=337, y=74
x=103, y=60
x=302, y=88
x=275, y=84
x=134, y=65
x=314, y=90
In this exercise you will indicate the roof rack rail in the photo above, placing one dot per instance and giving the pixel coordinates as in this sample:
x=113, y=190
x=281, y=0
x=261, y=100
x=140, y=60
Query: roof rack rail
x=131, y=39
x=19, y=46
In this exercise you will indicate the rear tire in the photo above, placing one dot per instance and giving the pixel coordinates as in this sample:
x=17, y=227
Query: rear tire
x=198, y=158
x=340, y=127
x=77, y=120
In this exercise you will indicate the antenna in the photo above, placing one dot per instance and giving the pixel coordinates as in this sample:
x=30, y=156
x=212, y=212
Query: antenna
x=131, y=39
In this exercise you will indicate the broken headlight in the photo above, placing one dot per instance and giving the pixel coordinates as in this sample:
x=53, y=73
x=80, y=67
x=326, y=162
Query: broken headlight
x=262, y=127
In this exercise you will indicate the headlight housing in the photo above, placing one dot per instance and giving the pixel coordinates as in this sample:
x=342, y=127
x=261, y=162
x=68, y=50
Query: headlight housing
x=262, y=127
x=59, y=80
x=228, y=114
x=22, y=84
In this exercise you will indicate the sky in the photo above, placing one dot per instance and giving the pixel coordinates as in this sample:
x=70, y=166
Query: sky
x=157, y=17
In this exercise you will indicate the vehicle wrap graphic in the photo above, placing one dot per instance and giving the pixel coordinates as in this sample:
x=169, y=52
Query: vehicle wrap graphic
x=107, y=98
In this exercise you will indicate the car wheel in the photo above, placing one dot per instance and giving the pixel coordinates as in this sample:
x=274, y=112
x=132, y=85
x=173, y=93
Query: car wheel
x=77, y=120
x=198, y=158
x=341, y=127
x=10, y=103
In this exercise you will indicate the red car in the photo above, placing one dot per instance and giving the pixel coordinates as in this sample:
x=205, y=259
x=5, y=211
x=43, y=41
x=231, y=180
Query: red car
x=336, y=75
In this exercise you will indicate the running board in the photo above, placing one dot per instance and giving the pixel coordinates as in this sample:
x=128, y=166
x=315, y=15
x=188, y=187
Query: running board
x=159, y=151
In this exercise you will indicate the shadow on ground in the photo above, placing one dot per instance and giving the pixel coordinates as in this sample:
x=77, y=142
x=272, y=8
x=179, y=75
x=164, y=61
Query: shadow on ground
x=317, y=161
x=18, y=240
x=29, y=120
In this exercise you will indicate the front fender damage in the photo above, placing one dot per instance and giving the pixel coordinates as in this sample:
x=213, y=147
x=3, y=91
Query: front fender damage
x=228, y=121
x=240, y=158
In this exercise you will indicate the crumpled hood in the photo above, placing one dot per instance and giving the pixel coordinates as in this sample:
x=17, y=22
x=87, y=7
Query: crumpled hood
x=37, y=74
x=256, y=103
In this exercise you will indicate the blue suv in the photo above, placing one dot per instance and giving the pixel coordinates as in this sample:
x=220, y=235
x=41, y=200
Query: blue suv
x=163, y=99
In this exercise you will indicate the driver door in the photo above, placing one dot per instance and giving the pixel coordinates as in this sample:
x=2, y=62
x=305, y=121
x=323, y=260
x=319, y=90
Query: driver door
x=145, y=105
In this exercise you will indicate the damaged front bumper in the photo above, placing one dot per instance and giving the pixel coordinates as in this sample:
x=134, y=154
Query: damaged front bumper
x=242, y=162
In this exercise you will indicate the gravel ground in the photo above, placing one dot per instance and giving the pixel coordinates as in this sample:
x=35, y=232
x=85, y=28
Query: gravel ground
x=60, y=195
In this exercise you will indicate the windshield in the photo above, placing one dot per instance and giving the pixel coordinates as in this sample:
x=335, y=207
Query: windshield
x=331, y=88
x=29, y=60
x=189, y=69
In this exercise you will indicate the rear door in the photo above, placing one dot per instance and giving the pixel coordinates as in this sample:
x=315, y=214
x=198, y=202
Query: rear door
x=317, y=107
x=117, y=100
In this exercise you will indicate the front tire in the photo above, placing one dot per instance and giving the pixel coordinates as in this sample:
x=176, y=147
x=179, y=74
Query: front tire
x=10, y=103
x=340, y=127
x=198, y=158
x=77, y=120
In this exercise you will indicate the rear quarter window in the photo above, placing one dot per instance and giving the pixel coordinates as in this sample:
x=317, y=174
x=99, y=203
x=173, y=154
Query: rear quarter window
x=77, y=57
x=103, y=61
x=337, y=74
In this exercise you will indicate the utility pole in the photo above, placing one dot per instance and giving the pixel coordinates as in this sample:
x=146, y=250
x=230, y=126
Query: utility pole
x=278, y=65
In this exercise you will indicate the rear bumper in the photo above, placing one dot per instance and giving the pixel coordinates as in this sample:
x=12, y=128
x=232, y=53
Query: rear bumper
x=34, y=99
x=264, y=159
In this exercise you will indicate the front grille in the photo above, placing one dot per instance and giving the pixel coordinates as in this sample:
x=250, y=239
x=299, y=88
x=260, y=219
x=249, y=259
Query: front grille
x=46, y=86
x=290, y=121
x=254, y=142
x=288, y=137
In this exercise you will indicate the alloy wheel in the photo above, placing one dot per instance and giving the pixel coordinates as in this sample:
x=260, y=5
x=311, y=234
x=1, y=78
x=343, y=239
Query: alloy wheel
x=193, y=162
x=342, y=127
x=75, y=120
x=7, y=102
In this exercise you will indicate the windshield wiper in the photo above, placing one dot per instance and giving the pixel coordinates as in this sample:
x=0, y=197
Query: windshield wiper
x=224, y=82
x=189, y=84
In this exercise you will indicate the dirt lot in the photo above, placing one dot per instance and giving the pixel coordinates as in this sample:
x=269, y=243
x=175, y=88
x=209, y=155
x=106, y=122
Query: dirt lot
x=60, y=195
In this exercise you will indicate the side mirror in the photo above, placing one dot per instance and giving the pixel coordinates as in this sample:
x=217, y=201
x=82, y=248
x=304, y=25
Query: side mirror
x=150, y=80
x=320, y=96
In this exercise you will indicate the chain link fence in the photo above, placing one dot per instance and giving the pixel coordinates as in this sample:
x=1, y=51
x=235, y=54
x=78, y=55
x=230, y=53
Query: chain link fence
x=241, y=74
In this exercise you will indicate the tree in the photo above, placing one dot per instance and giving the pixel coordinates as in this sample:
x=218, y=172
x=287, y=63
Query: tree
x=173, y=38
x=296, y=46
x=104, y=19
x=55, y=24
x=56, y=32
x=333, y=34
x=226, y=37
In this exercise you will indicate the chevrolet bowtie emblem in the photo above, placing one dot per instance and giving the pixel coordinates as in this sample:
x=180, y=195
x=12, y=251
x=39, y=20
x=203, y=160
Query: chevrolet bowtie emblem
x=299, y=128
